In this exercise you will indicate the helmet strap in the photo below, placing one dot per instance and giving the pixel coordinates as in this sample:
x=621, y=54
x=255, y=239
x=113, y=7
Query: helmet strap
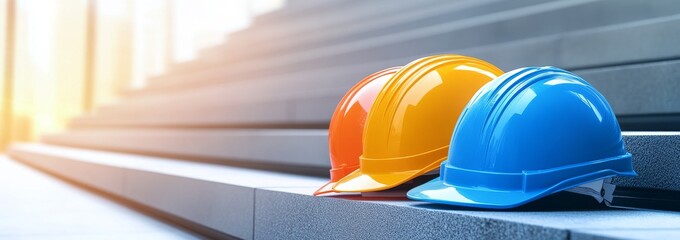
x=601, y=190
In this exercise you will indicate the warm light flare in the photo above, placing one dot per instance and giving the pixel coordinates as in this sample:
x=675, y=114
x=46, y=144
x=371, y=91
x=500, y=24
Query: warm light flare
x=132, y=40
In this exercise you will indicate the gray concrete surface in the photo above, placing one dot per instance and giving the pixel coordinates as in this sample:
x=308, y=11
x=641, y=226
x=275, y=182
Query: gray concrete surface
x=609, y=234
x=281, y=206
x=357, y=217
x=653, y=152
x=289, y=72
x=635, y=89
x=655, y=158
x=293, y=147
x=639, y=89
x=37, y=206
x=573, y=45
x=215, y=196
x=488, y=27
x=270, y=98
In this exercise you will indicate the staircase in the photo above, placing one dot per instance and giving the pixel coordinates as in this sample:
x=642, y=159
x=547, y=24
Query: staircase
x=233, y=143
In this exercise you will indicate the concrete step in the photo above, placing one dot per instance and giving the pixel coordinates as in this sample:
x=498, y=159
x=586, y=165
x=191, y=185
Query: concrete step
x=560, y=20
x=367, y=23
x=309, y=99
x=252, y=204
x=303, y=148
x=38, y=206
x=574, y=51
x=456, y=36
x=306, y=150
x=326, y=17
x=219, y=198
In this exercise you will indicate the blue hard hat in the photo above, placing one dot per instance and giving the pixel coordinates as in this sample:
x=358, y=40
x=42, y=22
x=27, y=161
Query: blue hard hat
x=527, y=134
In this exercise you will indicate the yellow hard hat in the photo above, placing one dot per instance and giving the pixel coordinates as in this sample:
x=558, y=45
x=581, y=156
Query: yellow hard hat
x=409, y=127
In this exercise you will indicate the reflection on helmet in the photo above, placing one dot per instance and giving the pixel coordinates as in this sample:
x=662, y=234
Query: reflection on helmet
x=529, y=133
x=409, y=127
x=347, y=126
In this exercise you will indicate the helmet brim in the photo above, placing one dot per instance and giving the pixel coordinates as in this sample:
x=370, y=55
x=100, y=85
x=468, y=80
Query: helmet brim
x=326, y=188
x=359, y=181
x=436, y=191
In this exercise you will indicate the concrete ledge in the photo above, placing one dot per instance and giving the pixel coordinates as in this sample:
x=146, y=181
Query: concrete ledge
x=561, y=20
x=632, y=89
x=655, y=154
x=570, y=48
x=254, y=204
x=656, y=158
x=306, y=148
x=37, y=206
x=335, y=218
x=217, y=197
x=365, y=21
x=638, y=89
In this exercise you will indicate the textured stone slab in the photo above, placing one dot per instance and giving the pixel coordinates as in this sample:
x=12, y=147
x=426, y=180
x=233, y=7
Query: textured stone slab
x=365, y=22
x=656, y=158
x=224, y=207
x=274, y=100
x=331, y=18
x=601, y=30
x=638, y=89
x=356, y=217
x=371, y=49
x=281, y=206
x=334, y=16
x=635, y=89
x=612, y=45
x=306, y=148
x=381, y=20
x=269, y=100
x=599, y=234
x=589, y=48
x=303, y=111
x=295, y=8
x=169, y=166
x=570, y=17
x=217, y=197
x=37, y=206
x=655, y=154
x=98, y=176
x=337, y=218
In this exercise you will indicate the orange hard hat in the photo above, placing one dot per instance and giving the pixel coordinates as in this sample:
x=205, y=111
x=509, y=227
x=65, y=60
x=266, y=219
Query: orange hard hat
x=346, y=129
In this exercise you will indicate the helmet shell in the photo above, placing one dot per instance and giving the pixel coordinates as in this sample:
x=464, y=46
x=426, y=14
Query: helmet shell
x=408, y=129
x=531, y=132
x=345, y=132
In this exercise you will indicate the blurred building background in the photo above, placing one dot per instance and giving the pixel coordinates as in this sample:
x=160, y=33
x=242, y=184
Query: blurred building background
x=68, y=56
